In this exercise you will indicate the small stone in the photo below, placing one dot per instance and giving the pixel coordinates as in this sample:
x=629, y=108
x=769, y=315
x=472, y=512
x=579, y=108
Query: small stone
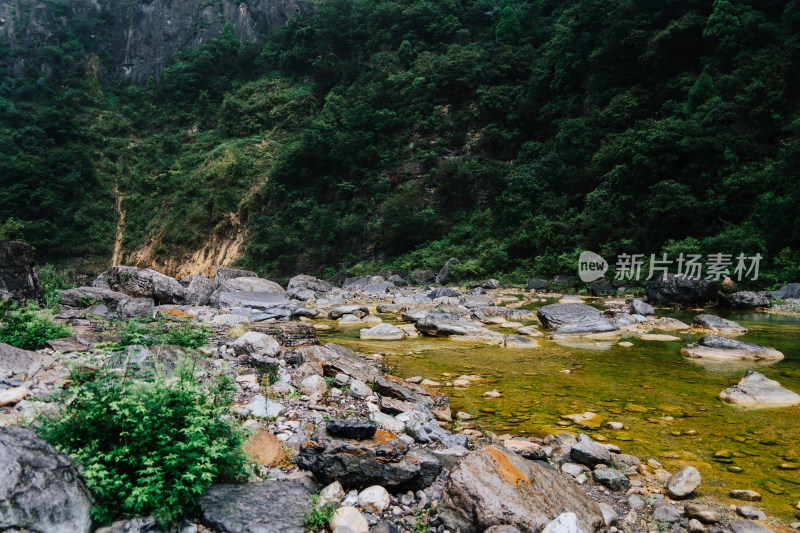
x=667, y=513
x=750, y=512
x=13, y=395
x=492, y=394
x=703, y=513
x=563, y=523
x=374, y=499
x=430, y=383
x=351, y=428
x=616, y=426
x=333, y=493
x=695, y=526
x=359, y=389
x=611, y=478
x=683, y=482
x=746, y=526
x=636, y=502
x=747, y=495
x=609, y=514
x=349, y=517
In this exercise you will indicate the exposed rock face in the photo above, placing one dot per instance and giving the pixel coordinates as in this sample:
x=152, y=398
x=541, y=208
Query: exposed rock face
x=757, y=390
x=671, y=289
x=225, y=273
x=716, y=347
x=145, y=283
x=574, y=319
x=384, y=459
x=351, y=428
x=715, y=323
x=18, y=278
x=493, y=487
x=263, y=507
x=40, y=489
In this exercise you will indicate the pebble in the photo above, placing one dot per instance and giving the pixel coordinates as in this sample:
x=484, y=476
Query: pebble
x=695, y=526
x=748, y=495
x=667, y=513
x=750, y=512
x=492, y=394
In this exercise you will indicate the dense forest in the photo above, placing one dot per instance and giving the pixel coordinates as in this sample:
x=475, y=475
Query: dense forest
x=374, y=133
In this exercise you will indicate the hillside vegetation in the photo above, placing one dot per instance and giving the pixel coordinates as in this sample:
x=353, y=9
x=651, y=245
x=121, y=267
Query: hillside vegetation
x=371, y=133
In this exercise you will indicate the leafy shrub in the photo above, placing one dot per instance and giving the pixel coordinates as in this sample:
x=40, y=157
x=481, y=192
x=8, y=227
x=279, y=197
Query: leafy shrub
x=29, y=327
x=150, y=448
x=318, y=516
x=184, y=333
x=51, y=282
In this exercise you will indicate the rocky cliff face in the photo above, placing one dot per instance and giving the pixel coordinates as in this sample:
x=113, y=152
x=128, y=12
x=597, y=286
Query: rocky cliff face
x=140, y=36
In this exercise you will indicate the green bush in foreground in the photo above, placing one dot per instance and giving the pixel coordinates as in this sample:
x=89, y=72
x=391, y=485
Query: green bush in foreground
x=318, y=516
x=184, y=333
x=29, y=327
x=150, y=448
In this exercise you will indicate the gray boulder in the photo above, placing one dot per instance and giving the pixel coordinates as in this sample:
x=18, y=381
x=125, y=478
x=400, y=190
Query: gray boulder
x=339, y=311
x=792, y=290
x=258, y=346
x=757, y=390
x=444, y=274
x=18, y=278
x=575, y=319
x=493, y=487
x=708, y=322
x=640, y=307
x=746, y=526
x=381, y=287
x=146, y=283
x=303, y=287
x=246, y=285
x=612, y=479
x=225, y=273
x=198, y=289
x=262, y=507
x=89, y=296
x=472, y=301
x=747, y=300
x=671, y=289
x=40, y=489
x=440, y=292
x=683, y=482
x=536, y=284
x=590, y=453
x=447, y=324
x=422, y=276
x=133, y=307
x=383, y=332
x=724, y=349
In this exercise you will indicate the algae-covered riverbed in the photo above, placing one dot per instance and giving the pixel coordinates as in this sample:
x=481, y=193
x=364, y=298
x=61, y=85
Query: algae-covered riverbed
x=668, y=403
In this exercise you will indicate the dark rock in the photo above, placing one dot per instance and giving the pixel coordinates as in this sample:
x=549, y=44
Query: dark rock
x=18, y=272
x=397, y=281
x=350, y=364
x=67, y=344
x=562, y=279
x=444, y=274
x=225, y=273
x=383, y=460
x=422, y=277
x=671, y=289
x=640, y=307
x=612, y=479
x=40, y=489
x=601, y=288
x=747, y=300
x=536, y=284
x=262, y=507
x=384, y=527
x=723, y=348
x=351, y=428
x=792, y=290
x=354, y=284
x=590, y=453
x=440, y=292
x=198, y=289
x=145, y=283
x=492, y=284
x=575, y=319
x=493, y=487
x=477, y=290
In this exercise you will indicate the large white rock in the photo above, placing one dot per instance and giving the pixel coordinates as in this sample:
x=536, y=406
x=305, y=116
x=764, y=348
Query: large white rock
x=256, y=345
x=564, y=523
x=683, y=482
x=314, y=387
x=333, y=493
x=13, y=395
x=383, y=332
x=349, y=517
x=757, y=390
x=374, y=499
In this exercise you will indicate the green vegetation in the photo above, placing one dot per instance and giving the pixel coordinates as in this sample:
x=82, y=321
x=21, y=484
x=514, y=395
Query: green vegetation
x=152, y=332
x=51, y=281
x=512, y=135
x=150, y=448
x=29, y=327
x=318, y=516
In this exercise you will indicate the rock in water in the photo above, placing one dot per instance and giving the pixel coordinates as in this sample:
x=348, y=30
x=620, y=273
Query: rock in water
x=40, y=489
x=683, y=482
x=351, y=428
x=18, y=278
x=757, y=390
x=383, y=332
x=716, y=347
x=146, y=283
x=640, y=307
x=671, y=289
x=576, y=319
x=263, y=507
x=714, y=323
x=492, y=487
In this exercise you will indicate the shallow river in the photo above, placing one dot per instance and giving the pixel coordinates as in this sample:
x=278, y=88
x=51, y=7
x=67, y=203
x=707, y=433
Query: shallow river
x=668, y=403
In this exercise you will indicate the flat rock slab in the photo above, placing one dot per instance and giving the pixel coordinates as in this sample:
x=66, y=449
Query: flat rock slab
x=383, y=332
x=722, y=348
x=263, y=507
x=25, y=365
x=576, y=319
x=658, y=337
x=757, y=390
